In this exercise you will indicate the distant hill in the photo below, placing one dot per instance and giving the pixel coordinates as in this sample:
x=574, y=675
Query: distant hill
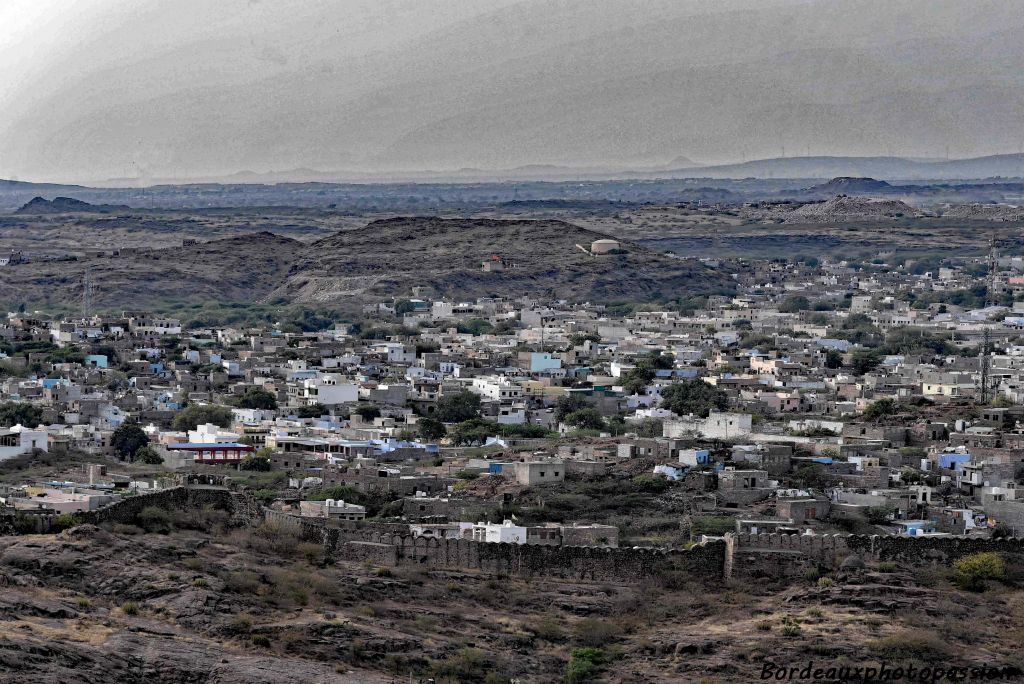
x=237, y=269
x=67, y=205
x=847, y=185
x=843, y=209
x=354, y=267
x=891, y=168
x=389, y=257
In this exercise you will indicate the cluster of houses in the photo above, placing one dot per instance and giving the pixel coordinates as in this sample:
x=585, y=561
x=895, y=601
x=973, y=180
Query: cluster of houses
x=849, y=396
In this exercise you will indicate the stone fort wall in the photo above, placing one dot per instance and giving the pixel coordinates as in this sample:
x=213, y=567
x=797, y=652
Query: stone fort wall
x=737, y=555
x=704, y=562
x=781, y=555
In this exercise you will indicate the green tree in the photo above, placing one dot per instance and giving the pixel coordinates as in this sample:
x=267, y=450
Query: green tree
x=636, y=379
x=367, y=411
x=475, y=326
x=833, y=359
x=865, y=360
x=457, y=408
x=18, y=413
x=311, y=411
x=148, y=455
x=693, y=396
x=568, y=404
x=256, y=463
x=128, y=438
x=257, y=398
x=586, y=418
x=430, y=429
x=794, y=304
x=649, y=427
x=200, y=414
x=880, y=409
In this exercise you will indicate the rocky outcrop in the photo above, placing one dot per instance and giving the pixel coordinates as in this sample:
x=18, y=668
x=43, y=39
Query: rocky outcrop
x=67, y=205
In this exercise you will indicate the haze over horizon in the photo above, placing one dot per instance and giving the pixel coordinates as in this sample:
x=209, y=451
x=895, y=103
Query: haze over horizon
x=192, y=89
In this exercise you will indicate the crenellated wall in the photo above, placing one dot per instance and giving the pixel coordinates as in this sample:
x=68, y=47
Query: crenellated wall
x=742, y=555
x=781, y=555
x=702, y=562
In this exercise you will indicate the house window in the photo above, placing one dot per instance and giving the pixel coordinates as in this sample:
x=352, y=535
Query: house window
x=542, y=473
x=556, y=473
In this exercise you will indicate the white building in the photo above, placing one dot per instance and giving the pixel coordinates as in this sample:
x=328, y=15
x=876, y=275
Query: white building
x=497, y=388
x=327, y=389
x=212, y=434
x=20, y=440
x=495, y=533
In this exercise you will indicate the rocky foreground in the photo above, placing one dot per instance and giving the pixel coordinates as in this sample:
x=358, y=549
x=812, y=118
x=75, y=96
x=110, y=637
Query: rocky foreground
x=184, y=600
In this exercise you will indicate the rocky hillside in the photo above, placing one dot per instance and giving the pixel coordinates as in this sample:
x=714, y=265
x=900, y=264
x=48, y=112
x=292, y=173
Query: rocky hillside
x=238, y=269
x=67, y=205
x=541, y=258
x=355, y=266
x=841, y=209
x=988, y=212
x=843, y=185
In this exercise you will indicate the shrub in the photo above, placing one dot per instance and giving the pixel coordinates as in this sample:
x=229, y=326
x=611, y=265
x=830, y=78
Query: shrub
x=971, y=572
x=200, y=582
x=148, y=455
x=313, y=553
x=652, y=484
x=594, y=633
x=826, y=582
x=909, y=645
x=259, y=464
x=240, y=624
x=154, y=519
x=62, y=522
x=130, y=608
x=548, y=629
x=468, y=665
x=261, y=640
x=584, y=665
x=242, y=582
x=791, y=626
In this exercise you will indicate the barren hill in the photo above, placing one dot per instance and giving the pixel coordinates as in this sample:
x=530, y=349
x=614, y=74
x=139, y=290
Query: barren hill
x=66, y=205
x=989, y=212
x=243, y=268
x=391, y=256
x=842, y=208
x=842, y=185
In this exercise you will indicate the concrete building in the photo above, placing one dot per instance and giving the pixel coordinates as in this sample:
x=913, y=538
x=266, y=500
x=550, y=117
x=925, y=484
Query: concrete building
x=334, y=509
x=19, y=440
x=540, y=472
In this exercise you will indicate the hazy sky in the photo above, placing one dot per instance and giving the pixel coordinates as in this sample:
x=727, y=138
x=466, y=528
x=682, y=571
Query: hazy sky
x=97, y=89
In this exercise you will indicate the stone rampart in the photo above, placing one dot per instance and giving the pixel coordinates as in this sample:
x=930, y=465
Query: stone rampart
x=704, y=562
x=781, y=555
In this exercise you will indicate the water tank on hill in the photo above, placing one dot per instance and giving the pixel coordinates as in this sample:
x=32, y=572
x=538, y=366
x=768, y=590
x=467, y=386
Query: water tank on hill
x=603, y=246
